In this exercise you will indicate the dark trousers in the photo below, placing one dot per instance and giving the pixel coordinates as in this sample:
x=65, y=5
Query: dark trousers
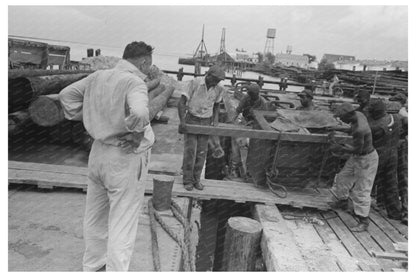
x=402, y=174
x=386, y=182
x=195, y=151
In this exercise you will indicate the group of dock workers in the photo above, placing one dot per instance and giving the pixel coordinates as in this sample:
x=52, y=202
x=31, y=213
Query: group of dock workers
x=113, y=105
x=376, y=166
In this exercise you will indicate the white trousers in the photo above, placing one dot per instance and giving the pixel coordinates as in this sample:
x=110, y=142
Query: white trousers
x=356, y=180
x=114, y=199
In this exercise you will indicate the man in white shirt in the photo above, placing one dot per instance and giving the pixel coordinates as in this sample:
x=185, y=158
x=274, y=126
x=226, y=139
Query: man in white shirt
x=113, y=105
x=199, y=105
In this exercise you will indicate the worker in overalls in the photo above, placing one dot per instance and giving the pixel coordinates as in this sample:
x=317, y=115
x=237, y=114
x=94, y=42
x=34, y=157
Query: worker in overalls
x=356, y=178
x=386, y=130
x=113, y=105
x=199, y=105
x=402, y=170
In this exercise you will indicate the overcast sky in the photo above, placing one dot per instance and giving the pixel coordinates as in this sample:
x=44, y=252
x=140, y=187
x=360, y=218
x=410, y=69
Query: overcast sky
x=367, y=32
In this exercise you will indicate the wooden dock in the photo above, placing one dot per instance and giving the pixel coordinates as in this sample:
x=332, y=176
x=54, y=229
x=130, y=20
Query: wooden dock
x=51, y=176
x=290, y=242
x=45, y=232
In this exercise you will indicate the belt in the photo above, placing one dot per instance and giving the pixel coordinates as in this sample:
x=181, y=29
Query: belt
x=365, y=153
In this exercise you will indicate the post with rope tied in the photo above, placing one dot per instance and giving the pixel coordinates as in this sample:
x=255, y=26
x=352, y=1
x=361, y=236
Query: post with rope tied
x=162, y=201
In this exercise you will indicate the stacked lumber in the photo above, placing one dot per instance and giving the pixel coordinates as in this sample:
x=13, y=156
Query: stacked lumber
x=385, y=81
x=34, y=104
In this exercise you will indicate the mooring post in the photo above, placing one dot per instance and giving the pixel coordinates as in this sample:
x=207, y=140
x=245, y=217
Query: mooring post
x=197, y=68
x=162, y=192
x=180, y=74
x=233, y=80
x=242, y=241
x=260, y=82
x=90, y=52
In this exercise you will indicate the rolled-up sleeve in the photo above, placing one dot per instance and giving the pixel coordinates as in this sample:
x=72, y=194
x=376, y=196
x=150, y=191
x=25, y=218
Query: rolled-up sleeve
x=221, y=91
x=189, y=90
x=138, y=106
x=71, y=98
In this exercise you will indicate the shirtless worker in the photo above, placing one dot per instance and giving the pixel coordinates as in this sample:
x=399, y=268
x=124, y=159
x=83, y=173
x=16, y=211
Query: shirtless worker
x=363, y=99
x=356, y=178
x=113, y=105
x=199, y=105
x=252, y=101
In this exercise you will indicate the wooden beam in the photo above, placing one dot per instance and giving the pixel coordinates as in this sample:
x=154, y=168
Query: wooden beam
x=231, y=130
x=389, y=255
x=72, y=176
x=401, y=247
x=278, y=245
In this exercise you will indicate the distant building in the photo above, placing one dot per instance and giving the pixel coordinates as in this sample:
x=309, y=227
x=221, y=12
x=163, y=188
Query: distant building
x=240, y=56
x=348, y=65
x=255, y=58
x=331, y=58
x=370, y=65
x=292, y=60
x=400, y=65
x=375, y=65
x=313, y=65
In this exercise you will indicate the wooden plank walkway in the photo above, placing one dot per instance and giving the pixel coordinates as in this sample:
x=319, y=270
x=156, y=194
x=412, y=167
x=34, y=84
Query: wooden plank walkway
x=45, y=232
x=49, y=176
x=330, y=246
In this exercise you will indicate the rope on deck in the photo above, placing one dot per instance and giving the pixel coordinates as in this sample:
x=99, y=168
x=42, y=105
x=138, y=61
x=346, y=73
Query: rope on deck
x=184, y=243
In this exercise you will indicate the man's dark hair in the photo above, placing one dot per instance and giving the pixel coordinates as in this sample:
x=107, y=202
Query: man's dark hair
x=136, y=50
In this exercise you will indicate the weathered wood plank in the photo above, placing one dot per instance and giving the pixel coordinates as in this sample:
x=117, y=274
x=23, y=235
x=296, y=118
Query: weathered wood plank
x=402, y=228
x=317, y=255
x=68, y=176
x=401, y=247
x=366, y=240
x=351, y=244
x=344, y=259
x=279, y=247
x=387, y=228
x=390, y=255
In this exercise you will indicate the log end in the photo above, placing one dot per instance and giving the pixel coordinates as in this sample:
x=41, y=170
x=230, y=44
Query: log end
x=46, y=111
x=245, y=225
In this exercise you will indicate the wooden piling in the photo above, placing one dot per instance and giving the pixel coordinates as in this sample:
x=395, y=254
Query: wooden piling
x=242, y=240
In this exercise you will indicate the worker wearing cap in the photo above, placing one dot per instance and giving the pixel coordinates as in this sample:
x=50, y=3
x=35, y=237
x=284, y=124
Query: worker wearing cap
x=252, y=101
x=386, y=129
x=356, y=178
x=402, y=99
x=306, y=101
x=199, y=105
x=402, y=165
x=363, y=99
x=113, y=105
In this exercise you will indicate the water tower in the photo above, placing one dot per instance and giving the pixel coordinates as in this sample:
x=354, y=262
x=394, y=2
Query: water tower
x=270, y=36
